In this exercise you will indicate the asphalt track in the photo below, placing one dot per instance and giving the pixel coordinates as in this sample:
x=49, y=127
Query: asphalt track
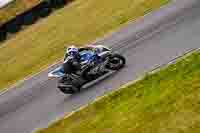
x=156, y=39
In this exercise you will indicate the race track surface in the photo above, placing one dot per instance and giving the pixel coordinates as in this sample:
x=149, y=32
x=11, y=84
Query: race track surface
x=37, y=102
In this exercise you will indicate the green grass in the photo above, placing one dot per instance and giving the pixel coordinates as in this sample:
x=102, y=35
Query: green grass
x=80, y=22
x=15, y=8
x=167, y=101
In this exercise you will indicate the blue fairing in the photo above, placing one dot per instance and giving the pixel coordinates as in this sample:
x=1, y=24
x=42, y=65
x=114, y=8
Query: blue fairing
x=58, y=72
x=87, y=56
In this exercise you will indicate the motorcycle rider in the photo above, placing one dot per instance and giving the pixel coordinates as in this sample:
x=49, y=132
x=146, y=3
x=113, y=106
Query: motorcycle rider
x=71, y=60
x=74, y=59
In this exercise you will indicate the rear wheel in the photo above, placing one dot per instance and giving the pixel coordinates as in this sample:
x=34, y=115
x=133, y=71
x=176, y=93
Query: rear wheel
x=70, y=89
x=67, y=87
x=116, y=62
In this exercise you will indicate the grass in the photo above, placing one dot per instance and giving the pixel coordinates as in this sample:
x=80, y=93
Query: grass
x=80, y=22
x=167, y=101
x=15, y=8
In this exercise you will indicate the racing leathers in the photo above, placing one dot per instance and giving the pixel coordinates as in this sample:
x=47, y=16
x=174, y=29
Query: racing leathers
x=73, y=63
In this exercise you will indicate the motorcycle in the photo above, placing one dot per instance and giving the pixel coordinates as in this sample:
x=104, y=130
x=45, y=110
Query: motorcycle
x=91, y=69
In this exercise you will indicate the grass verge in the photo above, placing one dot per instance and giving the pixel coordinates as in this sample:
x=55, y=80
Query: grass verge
x=162, y=102
x=80, y=22
x=15, y=8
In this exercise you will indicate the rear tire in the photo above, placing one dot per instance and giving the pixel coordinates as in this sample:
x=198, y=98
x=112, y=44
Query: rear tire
x=69, y=90
x=67, y=87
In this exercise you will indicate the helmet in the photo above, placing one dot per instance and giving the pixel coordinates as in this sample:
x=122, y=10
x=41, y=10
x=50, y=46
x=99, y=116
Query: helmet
x=72, y=51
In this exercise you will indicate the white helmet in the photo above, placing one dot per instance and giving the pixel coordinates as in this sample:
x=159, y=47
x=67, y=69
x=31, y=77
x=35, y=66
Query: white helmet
x=72, y=50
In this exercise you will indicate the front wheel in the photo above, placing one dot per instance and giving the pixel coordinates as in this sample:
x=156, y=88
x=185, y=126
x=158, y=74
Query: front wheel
x=116, y=62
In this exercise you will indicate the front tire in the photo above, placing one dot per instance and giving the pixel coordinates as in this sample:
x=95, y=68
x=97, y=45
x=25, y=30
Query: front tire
x=116, y=62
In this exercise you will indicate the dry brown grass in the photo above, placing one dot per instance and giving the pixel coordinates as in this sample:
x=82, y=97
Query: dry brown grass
x=80, y=22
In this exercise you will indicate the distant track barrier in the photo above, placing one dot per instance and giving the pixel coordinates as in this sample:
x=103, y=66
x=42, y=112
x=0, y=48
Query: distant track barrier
x=41, y=10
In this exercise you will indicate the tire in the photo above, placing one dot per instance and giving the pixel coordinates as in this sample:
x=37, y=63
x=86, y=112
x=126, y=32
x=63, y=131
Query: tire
x=14, y=25
x=58, y=3
x=68, y=88
x=44, y=9
x=113, y=60
x=29, y=18
x=3, y=34
x=44, y=12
